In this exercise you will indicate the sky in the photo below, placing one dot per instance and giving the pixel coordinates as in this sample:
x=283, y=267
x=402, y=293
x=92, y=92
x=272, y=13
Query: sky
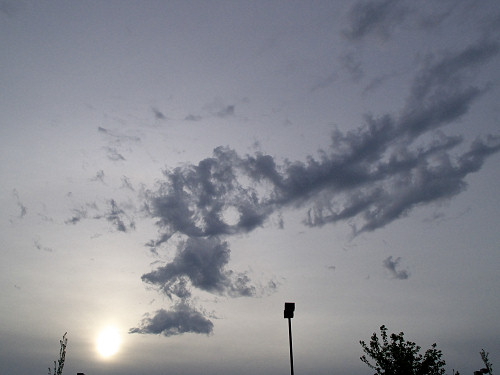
x=178, y=170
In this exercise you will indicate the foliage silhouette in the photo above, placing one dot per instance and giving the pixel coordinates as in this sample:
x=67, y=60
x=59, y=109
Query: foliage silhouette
x=59, y=365
x=396, y=356
x=488, y=366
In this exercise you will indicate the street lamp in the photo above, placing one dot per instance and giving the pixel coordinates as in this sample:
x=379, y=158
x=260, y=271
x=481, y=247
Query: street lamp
x=288, y=314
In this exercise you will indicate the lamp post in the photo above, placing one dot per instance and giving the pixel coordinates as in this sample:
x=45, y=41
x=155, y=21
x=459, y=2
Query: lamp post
x=288, y=314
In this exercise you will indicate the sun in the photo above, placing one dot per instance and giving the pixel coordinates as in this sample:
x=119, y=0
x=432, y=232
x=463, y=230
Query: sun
x=108, y=342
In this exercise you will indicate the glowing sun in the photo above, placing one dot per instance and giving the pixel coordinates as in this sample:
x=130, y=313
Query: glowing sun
x=108, y=342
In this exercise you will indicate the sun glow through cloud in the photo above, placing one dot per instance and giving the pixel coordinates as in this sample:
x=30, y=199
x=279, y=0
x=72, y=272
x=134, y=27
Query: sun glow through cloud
x=108, y=342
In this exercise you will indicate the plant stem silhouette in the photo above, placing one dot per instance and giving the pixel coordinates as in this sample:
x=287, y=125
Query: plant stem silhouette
x=59, y=365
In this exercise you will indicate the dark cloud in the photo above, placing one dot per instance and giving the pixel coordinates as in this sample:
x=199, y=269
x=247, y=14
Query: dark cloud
x=370, y=176
x=201, y=262
x=192, y=200
x=392, y=265
x=181, y=319
x=375, y=17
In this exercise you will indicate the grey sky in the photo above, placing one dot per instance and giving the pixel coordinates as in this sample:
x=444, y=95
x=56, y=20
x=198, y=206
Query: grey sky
x=181, y=169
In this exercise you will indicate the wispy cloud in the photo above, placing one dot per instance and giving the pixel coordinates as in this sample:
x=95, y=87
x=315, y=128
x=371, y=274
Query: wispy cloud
x=78, y=215
x=117, y=136
x=39, y=246
x=375, y=18
x=22, y=208
x=324, y=82
x=392, y=266
x=126, y=184
x=352, y=66
x=114, y=214
x=158, y=114
x=372, y=176
x=226, y=111
x=113, y=154
x=192, y=117
x=99, y=176
x=117, y=217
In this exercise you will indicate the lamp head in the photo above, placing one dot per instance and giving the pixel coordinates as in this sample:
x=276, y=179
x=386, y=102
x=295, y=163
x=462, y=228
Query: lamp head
x=289, y=309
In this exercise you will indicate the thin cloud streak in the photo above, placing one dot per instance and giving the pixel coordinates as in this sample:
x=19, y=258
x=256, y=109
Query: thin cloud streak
x=374, y=17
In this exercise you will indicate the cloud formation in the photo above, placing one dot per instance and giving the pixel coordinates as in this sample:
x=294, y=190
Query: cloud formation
x=158, y=114
x=22, y=208
x=374, y=17
x=391, y=265
x=180, y=319
x=200, y=262
x=380, y=18
x=371, y=176
x=113, y=214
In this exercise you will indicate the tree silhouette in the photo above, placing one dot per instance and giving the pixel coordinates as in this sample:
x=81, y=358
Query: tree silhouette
x=59, y=365
x=489, y=367
x=394, y=355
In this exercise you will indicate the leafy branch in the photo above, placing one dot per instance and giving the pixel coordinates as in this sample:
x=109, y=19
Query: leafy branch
x=59, y=365
x=487, y=363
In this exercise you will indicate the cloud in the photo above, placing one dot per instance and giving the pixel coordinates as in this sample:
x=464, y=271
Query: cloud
x=158, y=115
x=371, y=176
x=126, y=184
x=116, y=137
x=193, y=200
x=39, y=246
x=22, y=208
x=226, y=111
x=99, y=176
x=352, y=66
x=436, y=16
x=323, y=83
x=181, y=319
x=193, y=118
x=374, y=17
x=201, y=262
x=375, y=83
x=392, y=265
x=113, y=154
x=117, y=216
x=79, y=214
x=113, y=214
